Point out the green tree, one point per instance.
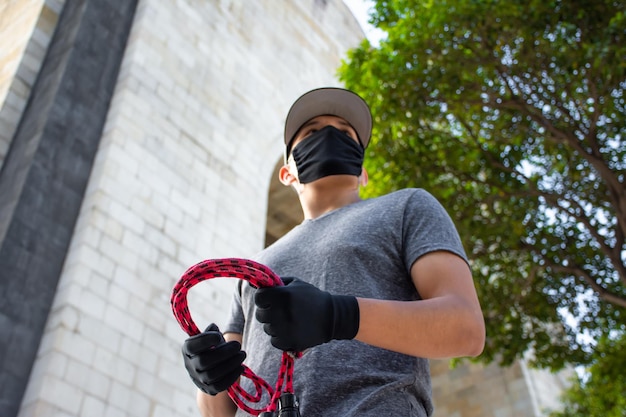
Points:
(513, 115)
(603, 394)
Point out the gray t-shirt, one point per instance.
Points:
(365, 249)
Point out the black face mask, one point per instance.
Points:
(326, 152)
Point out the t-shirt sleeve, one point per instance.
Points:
(427, 227)
(236, 319)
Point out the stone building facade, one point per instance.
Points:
(138, 137)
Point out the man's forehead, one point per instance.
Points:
(326, 118)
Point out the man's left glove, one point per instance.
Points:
(213, 363)
(298, 315)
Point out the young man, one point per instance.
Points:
(376, 287)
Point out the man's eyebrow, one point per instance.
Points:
(307, 124)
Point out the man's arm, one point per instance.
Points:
(447, 322)
(219, 405)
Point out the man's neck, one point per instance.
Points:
(322, 196)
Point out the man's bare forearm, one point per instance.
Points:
(219, 405)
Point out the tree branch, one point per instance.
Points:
(617, 190)
(602, 292)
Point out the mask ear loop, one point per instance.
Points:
(288, 150)
(258, 276)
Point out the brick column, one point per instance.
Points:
(45, 173)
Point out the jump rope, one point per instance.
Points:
(258, 276)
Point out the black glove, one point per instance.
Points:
(298, 316)
(213, 364)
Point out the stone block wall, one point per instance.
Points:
(45, 173)
(25, 31)
(473, 390)
(477, 390)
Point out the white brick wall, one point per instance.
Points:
(546, 387)
(182, 174)
(26, 28)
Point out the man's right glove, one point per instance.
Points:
(298, 315)
(213, 364)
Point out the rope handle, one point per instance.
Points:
(258, 276)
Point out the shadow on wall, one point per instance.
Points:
(283, 208)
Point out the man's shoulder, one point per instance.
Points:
(403, 195)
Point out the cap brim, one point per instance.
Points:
(330, 101)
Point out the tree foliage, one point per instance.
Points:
(513, 115)
(603, 392)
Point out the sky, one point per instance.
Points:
(360, 10)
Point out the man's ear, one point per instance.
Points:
(285, 176)
(363, 178)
